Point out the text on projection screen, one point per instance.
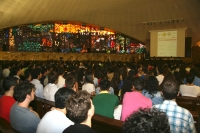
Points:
(167, 43)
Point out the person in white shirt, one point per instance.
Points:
(61, 80)
(189, 89)
(36, 75)
(160, 76)
(89, 84)
(50, 89)
(55, 121)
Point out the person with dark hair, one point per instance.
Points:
(7, 100)
(70, 82)
(89, 84)
(105, 103)
(61, 79)
(55, 121)
(144, 72)
(117, 81)
(44, 72)
(196, 80)
(36, 75)
(189, 89)
(27, 75)
(22, 118)
(16, 72)
(49, 68)
(151, 90)
(160, 76)
(180, 119)
(80, 110)
(149, 120)
(134, 100)
(50, 89)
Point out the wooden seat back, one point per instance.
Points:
(5, 127)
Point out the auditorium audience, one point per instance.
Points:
(132, 101)
(89, 84)
(61, 80)
(16, 72)
(36, 75)
(6, 70)
(80, 110)
(189, 89)
(180, 119)
(160, 76)
(117, 80)
(55, 121)
(22, 118)
(27, 75)
(147, 121)
(7, 100)
(44, 72)
(151, 90)
(144, 72)
(123, 81)
(105, 103)
(196, 80)
(50, 89)
(70, 83)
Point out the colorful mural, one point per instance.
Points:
(64, 37)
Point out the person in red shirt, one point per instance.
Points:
(7, 100)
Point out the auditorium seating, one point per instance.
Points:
(193, 105)
(100, 124)
(5, 127)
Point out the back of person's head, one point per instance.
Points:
(14, 71)
(104, 84)
(27, 73)
(52, 77)
(150, 120)
(131, 73)
(61, 97)
(151, 85)
(9, 81)
(78, 106)
(70, 81)
(170, 89)
(21, 90)
(148, 74)
(194, 71)
(138, 83)
(190, 77)
(145, 69)
(43, 70)
(127, 86)
(35, 73)
(89, 77)
(61, 70)
(161, 70)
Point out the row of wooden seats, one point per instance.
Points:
(100, 123)
(5, 127)
(193, 105)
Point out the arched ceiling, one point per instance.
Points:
(125, 16)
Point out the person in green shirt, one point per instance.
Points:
(105, 103)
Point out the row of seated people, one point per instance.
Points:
(79, 108)
(180, 120)
(88, 85)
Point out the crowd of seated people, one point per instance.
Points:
(118, 90)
